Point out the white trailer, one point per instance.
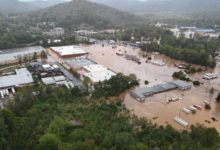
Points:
(187, 111)
(192, 108)
(4, 92)
(7, 92)
(181, 121)
(2, 95)
(13, 90)
(206, 102)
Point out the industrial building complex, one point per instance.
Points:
(140, 93)
(52, 74)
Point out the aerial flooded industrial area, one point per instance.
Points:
(159, 97)
(109, 75)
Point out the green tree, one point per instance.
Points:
(58, 126)
(4, 135)
(25, 59)
(48, 142)
(43, 56)
(34, 57)
(218, 98)
(20, 60)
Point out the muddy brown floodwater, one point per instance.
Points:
(154, 108)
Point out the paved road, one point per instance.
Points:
(70, 77)
(56, 60)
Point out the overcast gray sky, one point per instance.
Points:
(38, 0)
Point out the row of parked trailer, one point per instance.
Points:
(5, 92)
(188, 111)
(192, 108)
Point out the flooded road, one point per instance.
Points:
(155, 108)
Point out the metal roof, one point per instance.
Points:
(48, 81)
(98, 73)
(79, 62)
(22, 76)
(147, 91)
(59, 78)
(68, 50)
(180, 84)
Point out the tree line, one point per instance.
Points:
(199, 50)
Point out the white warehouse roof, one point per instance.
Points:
(22, 76)
(68, 50)
(98, 73)
(48, 81)
(94, 68)
(53, 80)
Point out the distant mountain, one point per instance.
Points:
(14, 6)
(84, 13)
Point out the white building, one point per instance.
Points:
(98, 73)
(210, 76)
(9, 82)
(57, 80)
(56, 32)
(22, 77)
(85, 32)
(68, 51)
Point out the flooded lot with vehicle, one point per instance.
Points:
(155, 107)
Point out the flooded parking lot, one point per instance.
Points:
(11, 55)
(155, 108)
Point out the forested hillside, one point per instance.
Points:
(199, 50)
(84, 13)
(14, 33)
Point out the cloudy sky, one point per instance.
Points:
(38, 0)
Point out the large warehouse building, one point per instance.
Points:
(97, 73)
(21, 77)
(68, 51)
(8, 83)
(140, 93)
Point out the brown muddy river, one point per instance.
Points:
(155, 108)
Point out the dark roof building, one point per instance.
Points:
(141, 93)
